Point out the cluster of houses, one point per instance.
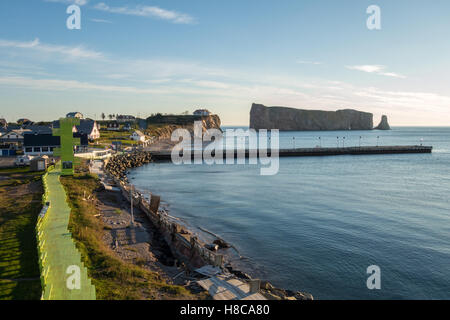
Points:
(36, 140)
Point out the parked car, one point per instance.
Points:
(22, 161)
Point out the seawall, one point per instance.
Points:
(310, 152)
(184, 244)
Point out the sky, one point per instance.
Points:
(141, 57)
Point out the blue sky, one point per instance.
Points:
(141, 57)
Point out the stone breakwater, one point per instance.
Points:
(184, 244)
(119, 164)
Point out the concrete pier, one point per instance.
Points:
(305, 152)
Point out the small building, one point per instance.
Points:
(44, 143)
(138, 136)
(39, 163)
(202, 112)
(40, 144)
(78, 115)
(125, 118)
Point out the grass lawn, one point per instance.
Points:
(20, 203)
(107, 137)
(113, 278)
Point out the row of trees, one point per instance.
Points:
(114, 116)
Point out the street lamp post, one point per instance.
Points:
(131, 201)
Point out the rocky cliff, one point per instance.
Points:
(290, 119)
(212, 121)
(162, 126)
(384, 124)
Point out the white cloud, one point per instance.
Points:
(308, 62)
(100, 20)
(58, 84)
(377, 69)
(77, 2)
(72, 52)
(149, 12)
(207, 83)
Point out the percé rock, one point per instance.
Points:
(291, 119)
(384, 124)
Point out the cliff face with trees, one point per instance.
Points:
(290, 119)
(162, 126)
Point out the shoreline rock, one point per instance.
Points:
(119, 164)
(384, 124)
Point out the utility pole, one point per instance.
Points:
(131, 201)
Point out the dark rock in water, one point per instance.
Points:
(241, 275)
(222, 244)
(266, 285)
(303, 296)
(290, 119)
(212, 247)
(384, 125)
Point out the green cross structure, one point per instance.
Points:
(67, 144)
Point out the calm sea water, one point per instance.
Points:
(321, 221)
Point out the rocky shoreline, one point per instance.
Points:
(118, 167)
(119, 164)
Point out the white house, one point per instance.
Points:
(87, 126)
(138, 136)
(78, 115)
(14, 136)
